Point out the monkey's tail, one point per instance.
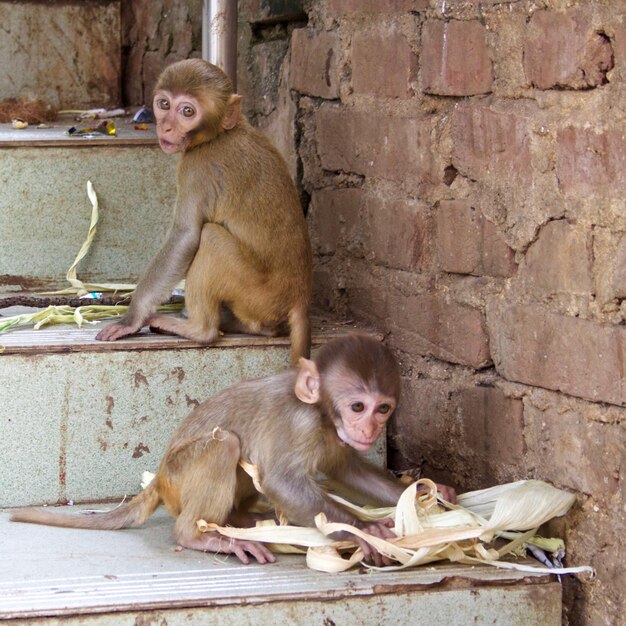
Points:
(299, 333)
(133, 513)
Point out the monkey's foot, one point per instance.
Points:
(167, 325)
(243, 550)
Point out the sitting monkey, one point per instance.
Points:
(239, 235)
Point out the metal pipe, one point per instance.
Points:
(219, 35)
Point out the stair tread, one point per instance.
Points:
(69, 338)
(55, 135)
(52, 571)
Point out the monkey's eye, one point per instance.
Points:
(188, 111)
(384, 409)
(163, 104)
(357, 407)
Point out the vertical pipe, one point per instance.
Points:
(219, 35)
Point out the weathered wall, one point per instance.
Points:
(94, 53)
(265, 30)
(65, 53)
(156, 33)
(466, 165)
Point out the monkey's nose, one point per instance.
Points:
(370, 431)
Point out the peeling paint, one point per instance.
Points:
(179, 372)
(191, 402)
(63, 443)
(136, 422)
(140, 379)
(59, 424)
(140, 450)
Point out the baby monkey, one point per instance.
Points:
(310, 420)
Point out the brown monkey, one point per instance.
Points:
(239, 233)
(292, 426)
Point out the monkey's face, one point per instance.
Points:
(362, 416)
(177, 117)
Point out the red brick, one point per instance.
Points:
(366, 287)
(618, 281)
(315, 63)
(345, 7)
(373, 145)
(559, 261)
(491, 430)
(419, 426)
(446, 330)
(590, 161)
(593, 533)
(467, 243)
(334, 217)
(574, 452)
(326, 294)
(455, 58)
(382, 62)
(563, 50)
(620, 48)
(490, 142)
(579, 357)
(396, 232)
(452, 3)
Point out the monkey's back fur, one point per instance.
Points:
(243, 182)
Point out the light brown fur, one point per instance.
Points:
(239, 233)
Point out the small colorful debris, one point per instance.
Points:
(104, 128)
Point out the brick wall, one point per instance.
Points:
(466, 172)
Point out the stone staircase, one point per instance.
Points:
(81, 420)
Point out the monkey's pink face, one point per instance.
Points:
(176, 116)
(363, 417)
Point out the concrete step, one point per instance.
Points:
(45, 212)
(68, 577)
(81, 420)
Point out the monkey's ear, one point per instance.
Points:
(308, 382)
(233, 112)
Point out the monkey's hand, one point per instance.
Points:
(381, 529)
(447, 493)
(117, 330)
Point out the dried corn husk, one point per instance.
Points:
(64, 314)
(429, 529)
(78, 286)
